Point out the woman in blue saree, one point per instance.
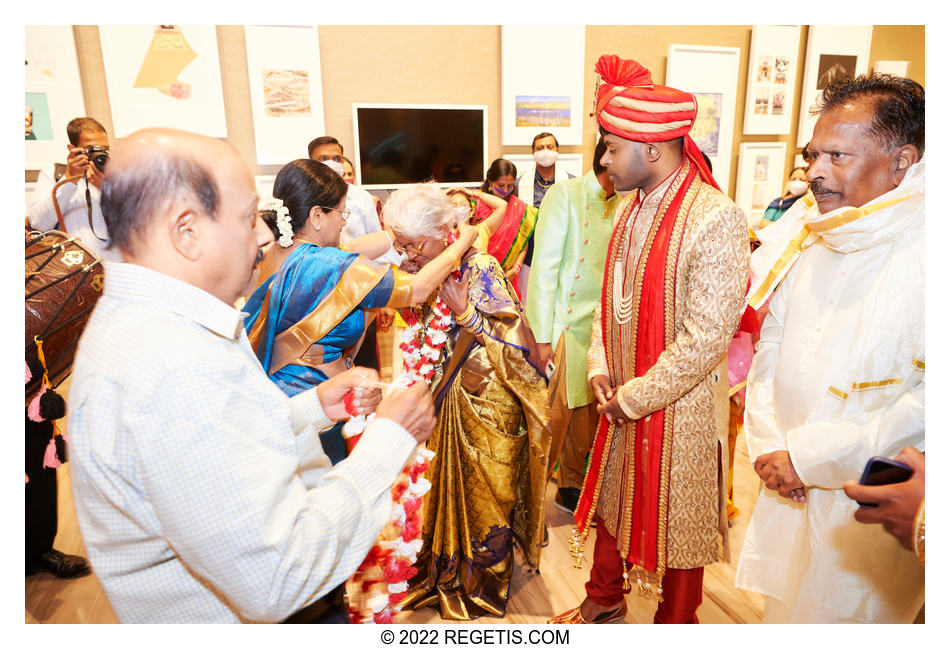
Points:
(308, 315)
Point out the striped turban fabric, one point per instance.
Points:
(629, 105)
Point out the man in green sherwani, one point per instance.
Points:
(574, 225)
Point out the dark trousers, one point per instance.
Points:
(41, 501)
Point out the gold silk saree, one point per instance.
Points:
(491, 444)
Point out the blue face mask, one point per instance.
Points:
(499, 193)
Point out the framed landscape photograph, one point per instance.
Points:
(548, 97)
(773, 77)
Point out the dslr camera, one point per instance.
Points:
(98, 155)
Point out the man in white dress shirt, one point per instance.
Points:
(202, 491)
(838, 376)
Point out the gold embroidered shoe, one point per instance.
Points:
(574, 616)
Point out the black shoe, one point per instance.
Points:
(61, 565)
(546, 539)
(566, 498)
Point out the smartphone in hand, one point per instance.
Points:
(883, 470)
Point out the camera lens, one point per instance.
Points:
(98, 155)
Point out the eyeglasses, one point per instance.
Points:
(406, 248)
(344, 213)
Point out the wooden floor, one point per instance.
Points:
(533, 598)
(560, 586)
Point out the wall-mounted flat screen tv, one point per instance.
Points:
(398, 144)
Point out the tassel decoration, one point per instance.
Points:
(36, 367)
(47, 405)
(52, 405)
(33, 410)
(61, 454)
(50, 461)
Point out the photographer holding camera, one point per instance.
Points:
(78, 189)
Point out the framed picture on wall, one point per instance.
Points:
(833, 51)
(773, 78)
(712, 75)
(760, 177)
(543, 97)
(164, 75)
(283, 67)
(53, 93)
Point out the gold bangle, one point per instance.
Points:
(466, 316)
(919, 533)
(454, 259)
(476, 326)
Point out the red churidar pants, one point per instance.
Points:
(682, 589)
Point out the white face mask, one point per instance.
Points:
(461, 214)
(545, 157)
(797, 187)
(336, 166)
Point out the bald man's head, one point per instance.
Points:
(184, 205)
(151, 168)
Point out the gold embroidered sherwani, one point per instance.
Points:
(690, 377)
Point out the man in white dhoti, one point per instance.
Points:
(839, 372)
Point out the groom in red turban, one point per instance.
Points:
(674, 288)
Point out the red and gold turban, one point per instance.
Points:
(629, 105)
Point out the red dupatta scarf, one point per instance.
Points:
(648, 291)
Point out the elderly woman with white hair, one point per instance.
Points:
(492, 438)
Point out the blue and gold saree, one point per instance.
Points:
(311, 312)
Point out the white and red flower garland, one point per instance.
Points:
(381, 582)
